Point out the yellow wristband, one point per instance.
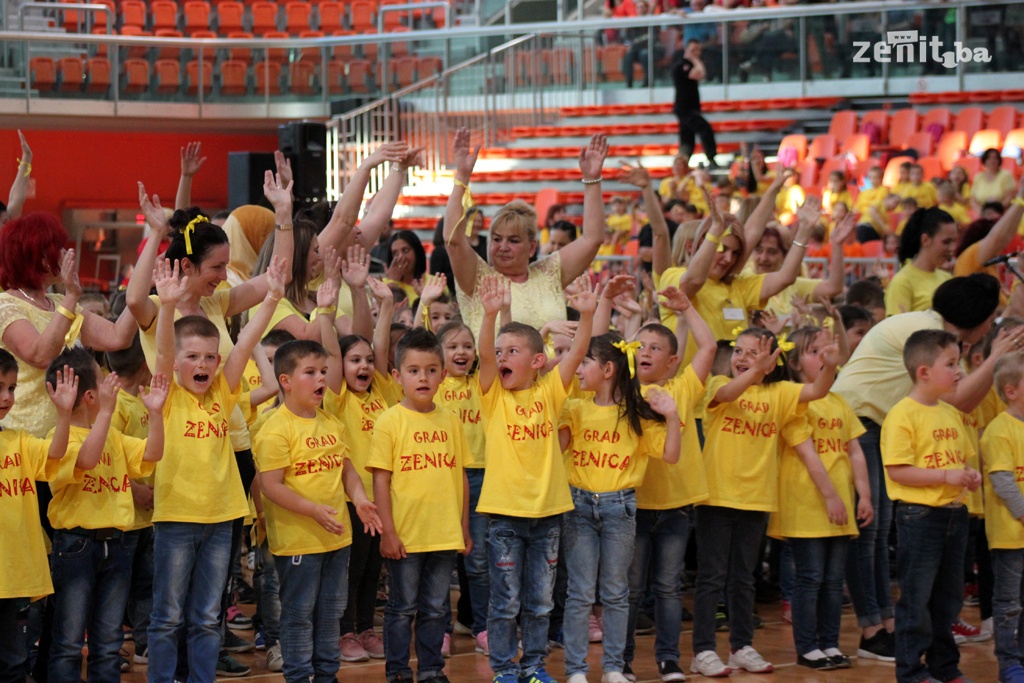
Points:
(66, 313)
(1017, 201)
(713, 239)
(326, 310)
(284, 226)
(28, 167)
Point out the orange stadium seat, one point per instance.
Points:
(970, 120)
(363, 15)
(370, 47)
(133, 13)
(197, 15)
(233, 75)
(858, 144)
(136, 76)
(970, 164)
(168, 52)
(402, 71)
(985, 139)
(101, 50)
(164, 14)
(193, 72)
(268, 77)
(902, 125)
(940, 115)
(923, 143)
(428, 66)
(335, 77)
(822, 147)
(342, 51)
(264, 16)
(399, 48)
(302, 78)
(808, 170)
(394, 18)
(932, 168)
(1015, 138)
(611, 62)
(359, 76)
(97, 71)
(240, 54)
(167, 73)
(276, 54)
(229, 17)
(330, 16)
(297, 16)
(136, 51)
(830, 165)
(559, 63)
(72, 74)
(879, 118)
(1003, 119)
(843, 124)
(951, 146)
(310, 54)
(892, 170)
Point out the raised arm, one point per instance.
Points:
(249, 337)
(661, 243)
(494, 291)
(584, 301)
(154, 400)
(786, 275)
(329, 336)
(137, 295)
(663, 404)
(577, 256)
(760, 216)
(832, 286)
(700, 264)
(433, 287)
(382, 331)
(383, 207)
(689, 321)
(819, 475)
(64, 396)
(354, 270)
(999, 237)
(463, 259)
(191, 162)
(170, 290)
(620, 284)
(19, 188)
(974, 386)
(92, 447)
(762, 364)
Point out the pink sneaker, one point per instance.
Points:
(595, 632)
(372, 643)
(481, 643)
(446, 646)
(352, 650)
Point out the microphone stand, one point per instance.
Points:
(1010, 267)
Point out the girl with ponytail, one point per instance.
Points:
(608, 439)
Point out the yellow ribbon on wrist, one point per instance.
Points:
(28, 167)
(326, 310)
(630, 349)
(76, 326)
(191, 228)
(467, 204)
(66, 313)
(1017, 201)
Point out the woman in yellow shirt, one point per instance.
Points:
(927, 244)
(992, 183)
(607, 440)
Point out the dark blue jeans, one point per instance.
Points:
(867, 561)
(660, 549)
(140, 596)
(313, 593)
(418, 589)
(523, 556)
(817, 600)
(476, 561)
(91, 580)
(1007, 615)
(930, 565)
(13, 642)
(268, 595)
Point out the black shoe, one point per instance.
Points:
(233, 643)
(687, 615)
(823, 664)
(670, 671)
(880, 646)
(229, 667)
(840, 661)
(758, 621)
(245, 593)
(644, 625)
(627, 672)
(439, 678)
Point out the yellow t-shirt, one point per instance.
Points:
(525, 469)
(99, 498)
(668, 486)
(604, 453)
(359, 412)
(461, 395)
(23, 462)
(782, 303)
(973, 425)
(985, 190)
(911, 289)
(285, 309)
(875, 379)
(968, 262)
(312, 453)
(925, 194)
(723, 305)
(930, 437)
(1003, 447)
(198, 480)
(686, 190)
(958, 212)
(743, 439)
(620, 222)
(802, 512)
(132, 419)
(424, 453)
(829, 199)
(410, 291)
(865, 200)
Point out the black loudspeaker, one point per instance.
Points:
(305, 144)
(245, 177)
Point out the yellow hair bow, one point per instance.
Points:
(191, 228)
(786, 346)
(828, 324)
(736, 330)
(630, 349)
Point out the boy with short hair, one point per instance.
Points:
(525, 488)
(1002, 444)
(198, 490)
(417, 459)
(92, 512)
(922, 192)
(304, 477)
(925, 451)
(24, 460)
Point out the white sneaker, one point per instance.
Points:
(986, 627)
(275, 662)
(709, 664)
(749, 659)
(577, 678)
(614, 677)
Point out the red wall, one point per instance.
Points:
(101, 169)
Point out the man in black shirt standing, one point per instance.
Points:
(687, 71)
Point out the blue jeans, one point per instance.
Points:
(817, 600)
(193, 561)
(599, 536)
(90, 580)
(418, 588)
(268, 595)
(930, 565)
(660, 548)
(13, 642)
(1007, 615)
(140, 596)
(476, 561)
(787, 572)
(867, 562)
(523, 555)
(313, 593)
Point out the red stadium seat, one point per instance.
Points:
(941, 116)
(72, 74)
(970, 120)
(951, 146)
(923, 143)
(428, 66)
(611, 62)
(331, 15)
(1014, 139)
(197, 15)
(797, 142)
(843, 124)
(342, 51)
(268, 77)
(858, 144)
(264, 16)
(297, 16)
(136, 76)
(892, 170)
(193, 72)
(168, 52)
(229, 17)
(1003, 119)
(167, 73)
(310, 54)
(136, 51)
(879, 118)
(335, 77)
(985, 139)
(359, 76)
(822, 147)
(932, 168)
(97, 75)
(902, 125)
(363, 15)
(302, 78)
(133, 13)
(165, 14)
(233, 74)
(240, 54)
(277, 54)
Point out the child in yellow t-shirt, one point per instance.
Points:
(436, 306)
(946, 199)
(525, 489)
(835, 192)
(460, 392)
(24, 460)
(91, 513)
(305, 474)
(198, 491)
(748, 418)
(417, 460)
(925, 452)
(620, 221)
(608, 439)
(903, 180)
(919, 190)
(817, 528)
(1003, 448)
(872, 224)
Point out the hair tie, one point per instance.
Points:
(630, 349)
(191, 228)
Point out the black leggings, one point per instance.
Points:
(692, 124)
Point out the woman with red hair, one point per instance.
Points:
(34, 325)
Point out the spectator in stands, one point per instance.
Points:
(19, 188)
(870, 208)
(536, 288)
(992, 183)
(675, 212)
(922, 192)
(947, 202)
(791, 197)
(837, 191)
(701, 32)
(439, 261)
(556, 213)
(406, 264)
(928, 241)
(961, 185)
(642, 41)
(985, 239)
(687, 72)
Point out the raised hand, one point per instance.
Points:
(662, 403)
(155, 397)
(585, 299)
(634, 175)
(26, 151)
(65, 394)
(592, 157)
(842, 231)
(277, 275)
(627, 306)
(331, 267)
(380, 291)
(765, 359)
(169, 287)
(278, 193)
(433, 287)
(191, 162)
(713, 212)
(493, 291)
(830, 352)
(154, 213)
(356, 267)
(464, 153)
(411, 159)
(389, 151)
(620, 284)
(108, 389)
(284, 168)
(809, 212)
(566, 328)
(372, 523)
(69, 274)
(327, 293)
(674, 298)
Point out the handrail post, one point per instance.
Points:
(804, 55)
